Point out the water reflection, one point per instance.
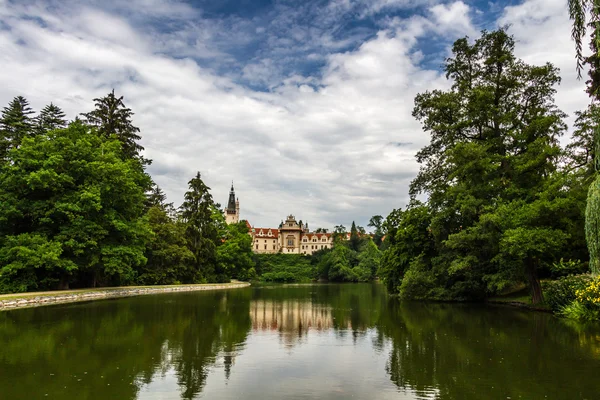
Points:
(305, 341)
(112, 349)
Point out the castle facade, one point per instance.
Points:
(291, 237)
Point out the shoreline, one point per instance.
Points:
(32, 299)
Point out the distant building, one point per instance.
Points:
(232, 212)
(290, 238)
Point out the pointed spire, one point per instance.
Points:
(231, 203)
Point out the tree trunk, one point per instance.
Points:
(63, 283)
(534, 282)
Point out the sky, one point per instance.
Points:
(305, 105)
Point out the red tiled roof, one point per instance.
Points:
(265, 233)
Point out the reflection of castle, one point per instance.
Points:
(290, 238)
(292, 319)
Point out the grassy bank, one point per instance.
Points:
(285, 268)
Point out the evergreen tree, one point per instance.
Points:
(16, 123)
(201, 231)
(494, 149)
(354, 238)
(111, 117)
(51, 117)
(156, 197)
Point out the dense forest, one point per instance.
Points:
(78, 208)
(497, 201)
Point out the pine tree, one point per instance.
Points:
(201, 232)
(15, 124)
(354, 239)
(156, 197)
(51, 117)
(111, 117)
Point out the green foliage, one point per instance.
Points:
(343, 264)
(234, 255)
(561, 292)
(71, 190)
(285, 268)
(15, 124)
(499, 210)
(169, 259)
(111, 117)
(592, 225)
(51, 117)
(201, 232)
(77, 208)
(568, 267)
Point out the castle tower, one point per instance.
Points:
(232, 212)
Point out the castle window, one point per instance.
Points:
(304, 240)
(265, 240)
(273, 247)
(314, 240)
(256, 247)
(265, 246)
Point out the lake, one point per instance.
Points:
(323, 341)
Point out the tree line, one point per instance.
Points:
(78, 208)
(497, 200)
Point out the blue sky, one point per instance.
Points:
(305, 105)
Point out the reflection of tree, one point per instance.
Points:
(470, 352)
(295, 310)
(110, 349)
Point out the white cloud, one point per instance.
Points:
(329, 148)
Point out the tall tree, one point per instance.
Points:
(72, 210)
(494, 141)
(51, 117)
(579, 10)
(111, 117)
(201, 231)
(354, 238)
(376, 222)
(16, 123)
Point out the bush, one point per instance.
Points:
(284, 268)
(562, 292)
(570, 267)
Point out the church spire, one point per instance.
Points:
(231, 203)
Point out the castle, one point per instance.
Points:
(290, 237)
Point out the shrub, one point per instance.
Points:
(562, 292)
(569, 267)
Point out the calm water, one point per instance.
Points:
(293, 342)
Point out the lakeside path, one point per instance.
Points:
(35, 299)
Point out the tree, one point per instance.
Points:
(234, 254)
(15, 124)
(201, 231)
(51, 117)
(494, 142)
(376, 222)
(579, 10)
(354, 238)
(111, 117)
(339, 233)
(73, 210)
(169, 258)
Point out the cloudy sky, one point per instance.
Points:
(305, 104)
